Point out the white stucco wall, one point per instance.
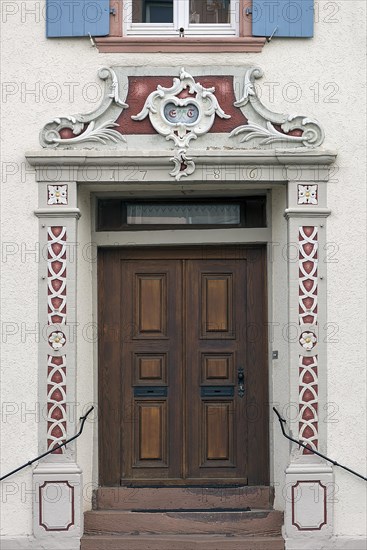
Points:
(322, 78)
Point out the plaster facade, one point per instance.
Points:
(322, 78)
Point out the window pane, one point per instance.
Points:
(209, 11)
(183, 214)
(152, 11)
(110, 214)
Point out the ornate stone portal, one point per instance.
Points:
(219, 136)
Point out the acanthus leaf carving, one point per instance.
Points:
(102, 133)
(268, 134)
(311, 133)
(89, 126)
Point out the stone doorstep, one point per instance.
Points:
(192, 498)
(254, 522)
(180, 542)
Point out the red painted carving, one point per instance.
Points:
(56, 262)
(308, 314)
(308, 272)
(56, 402)
(56, 367)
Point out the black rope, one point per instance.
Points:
(58, 446)
(309, 448)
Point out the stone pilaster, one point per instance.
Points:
(309, 479)
(57, 478)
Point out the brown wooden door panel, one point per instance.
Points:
(150, 369)
(216, 314)
(217, 368)
(151, 356)
(174, 330)
(150, 305)
(150, 434)
(218, 431)
(216, 305)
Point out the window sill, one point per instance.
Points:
(116, 44)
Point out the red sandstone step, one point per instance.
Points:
(250, 523)
(180, 542)
(191, 498)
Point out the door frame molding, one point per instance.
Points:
(243, 171)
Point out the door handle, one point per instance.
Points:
(241, 381)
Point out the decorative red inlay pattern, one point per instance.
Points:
(56, 262)
(308, 314)
(308, 272)
(56, 369)
(56, 402)
(308, 402)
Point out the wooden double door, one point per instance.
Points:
(183, 366)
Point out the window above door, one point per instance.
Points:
(179, 26)
(181, 18)
(148, 26)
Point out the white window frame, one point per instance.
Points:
(181, 20)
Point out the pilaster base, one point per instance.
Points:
(57, 505)
(309, 506)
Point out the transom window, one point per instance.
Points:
(181, 17)
(121, 215)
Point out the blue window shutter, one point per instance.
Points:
(77, 18)
(292, 18)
